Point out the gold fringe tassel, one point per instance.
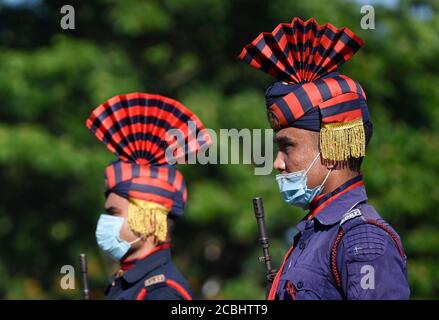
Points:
(148, 218)
(342, 141)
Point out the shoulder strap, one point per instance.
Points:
(179, 288)
(160, 279)
(356, 218)
(156, 279)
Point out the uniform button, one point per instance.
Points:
(302, 246)
(299, 285)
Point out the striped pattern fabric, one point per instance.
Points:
(301, 51)
(134, 127)
(160, 184)
(338, 97)
(306, 55)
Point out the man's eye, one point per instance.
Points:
(286, 147)
(112, 211)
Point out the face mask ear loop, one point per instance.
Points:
(326, 178)
(312, 163)
(134, 241)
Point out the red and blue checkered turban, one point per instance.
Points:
(311, 94)
(133, 127)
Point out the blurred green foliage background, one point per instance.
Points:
(51, 167)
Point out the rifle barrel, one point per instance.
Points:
(84, 275)
(258, 207)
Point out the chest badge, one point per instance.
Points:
(154, 280)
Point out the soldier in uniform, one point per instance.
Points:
(343, 248)
(144, 193)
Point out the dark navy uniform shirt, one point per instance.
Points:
(369, 258)
(153, 277)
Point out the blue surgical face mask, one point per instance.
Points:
(294, 189)
(108, 236)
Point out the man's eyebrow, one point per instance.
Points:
(112, 210)
(283, 140)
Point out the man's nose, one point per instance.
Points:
(279, 163)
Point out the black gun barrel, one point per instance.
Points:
(84, 275)
(263, 239)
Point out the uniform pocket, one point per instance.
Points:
(303, 284)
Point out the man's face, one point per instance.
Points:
(118, 206)
(297, 150)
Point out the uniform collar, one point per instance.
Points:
(138, 268)
(329, 208)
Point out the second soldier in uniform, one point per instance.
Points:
(144, 194)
